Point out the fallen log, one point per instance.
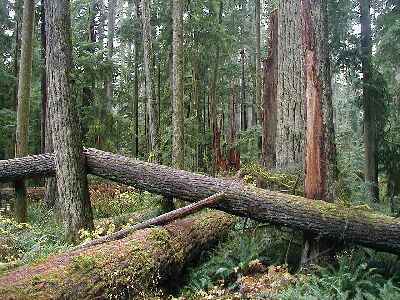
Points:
(136, 267)
(327, 220)
(156, 221)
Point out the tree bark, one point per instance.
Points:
(319, 142)
(342, 224)
(69, 161)
(216, 131)
(290, 94)
(178, 143)
(258, 60)
(110, 51)
(50, 196)
(370, 119)
(140, 266)
(233, 159)
(24, 94)
(269, 120)
(152, 103)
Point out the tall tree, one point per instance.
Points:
(258, 57)
(269, 109)
(290, 93)
(178, 143)
(50, 195)
(24, 94)
(110, 50)
(370, 119)
(320, 151)
(70, 165)
(135, 104)
(148, 59)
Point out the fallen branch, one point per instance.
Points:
(321, 218)
(157, 221)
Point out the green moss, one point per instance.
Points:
(83, 263)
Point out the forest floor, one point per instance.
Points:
(256, 261)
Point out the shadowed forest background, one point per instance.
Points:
(301, 98)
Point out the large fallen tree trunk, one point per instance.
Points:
(325, 219)
(136, 267)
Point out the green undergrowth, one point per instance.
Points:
(42, 236)
(358, 274)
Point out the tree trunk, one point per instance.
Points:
(319, 140)
(50, 196)
(135, 107)
(24, 94)
(110, 51)
(269, 121)
(258, 60)
(216, 131)
(141, 266)
(69, 161)
(233, 160)
(370, 119)
(290, 94)
(152, 103)
(343, 224)
(178, 143)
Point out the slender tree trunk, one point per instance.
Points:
(70, 163)
(370, 129)
(233, 152)
(152, 103)
(216, 131)
(110, 51)
(178, 143)
(319, 164)
(269, 121)
(135, 107)
(258, 60)
(243, 92)
(198, 100)
(24, 94)
(290, 94)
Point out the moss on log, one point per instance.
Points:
(136, 267)
(327, 220)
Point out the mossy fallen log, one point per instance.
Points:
(327, 220)
(137, 267)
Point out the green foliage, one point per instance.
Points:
(127, 202)
(352, 279)
(28, 243)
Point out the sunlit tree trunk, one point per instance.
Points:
(290, 94)
(70, 163)
(370, 119)
(178, 144)
(24, 94)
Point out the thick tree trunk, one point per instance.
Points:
(178, 143)
(24, 94)
(343, 224)
(152, 103)
(50, 197)
(290, 94)
(140, 266)
(370, 119)
(269, 121)
(319, 142)
(69, 161)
